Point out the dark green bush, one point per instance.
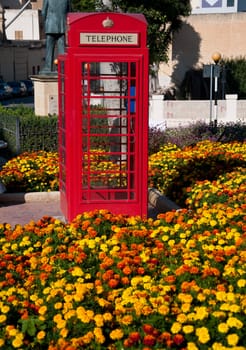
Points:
(26, 132)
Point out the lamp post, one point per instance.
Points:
(216, 58)
(213, 71)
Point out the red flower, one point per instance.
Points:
(149, 340)
(134, 337)
(178, 339)
(148, 328)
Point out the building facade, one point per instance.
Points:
(213, 26)
(217, 6)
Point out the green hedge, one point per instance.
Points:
(26, 132)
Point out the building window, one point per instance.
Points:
(18, 35)
(230, 3)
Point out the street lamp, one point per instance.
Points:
(216, 57)
(213, 71)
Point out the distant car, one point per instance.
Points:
(19, 89)
(5, 91)
(29, 86)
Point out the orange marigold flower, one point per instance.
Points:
(125, 280)
(127, 270)
(170, 279)
(113, 283)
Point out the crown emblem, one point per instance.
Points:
(107, 23)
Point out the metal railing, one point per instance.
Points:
(10, 127)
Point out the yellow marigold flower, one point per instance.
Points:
(201, 297)
(12, 332)
(223, 327)
(42, 310)
(116, 334)
(135, 281)
(69, 314)
(77, 272)
(219, 314)
(181, 318)
(231, 297)
(3, 318)
(64, 332)
(99, 320)
(40, 335)
(126, 320)
(102, 302)
(176, 327)
(18, 340)
(232, 339)
(203, 335)
(87, 338)
(187, 329)
(163, 309)
(241, 283)
(91, 243)
(14, 246)
(218, 346)
(185, 298)
(185, 307)
(1, 342)
(235, 308)
(57, 318)
(201, 312)
(234, 322)
(171, 242)
(104, 247)
(107, 316)
(221, 296)
(99, 335)
(61, 324)
(58, 305)
(33, 297)
(192, 346)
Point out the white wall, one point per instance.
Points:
(175, 113)
(27, 22)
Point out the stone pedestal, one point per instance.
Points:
(45, 94)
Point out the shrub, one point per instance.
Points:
(194, 133)
(26, 132)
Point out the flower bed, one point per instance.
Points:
(116, 282)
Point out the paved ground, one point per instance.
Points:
(23, 213)
(22, 209)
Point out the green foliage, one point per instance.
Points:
(38, 133)
(235, 76)
(20, 126)
(86, 5)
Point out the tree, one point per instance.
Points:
(164, 17)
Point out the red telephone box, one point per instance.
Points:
(103, 114)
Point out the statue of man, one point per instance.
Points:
(54, 13)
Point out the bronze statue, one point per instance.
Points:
(54, 13)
